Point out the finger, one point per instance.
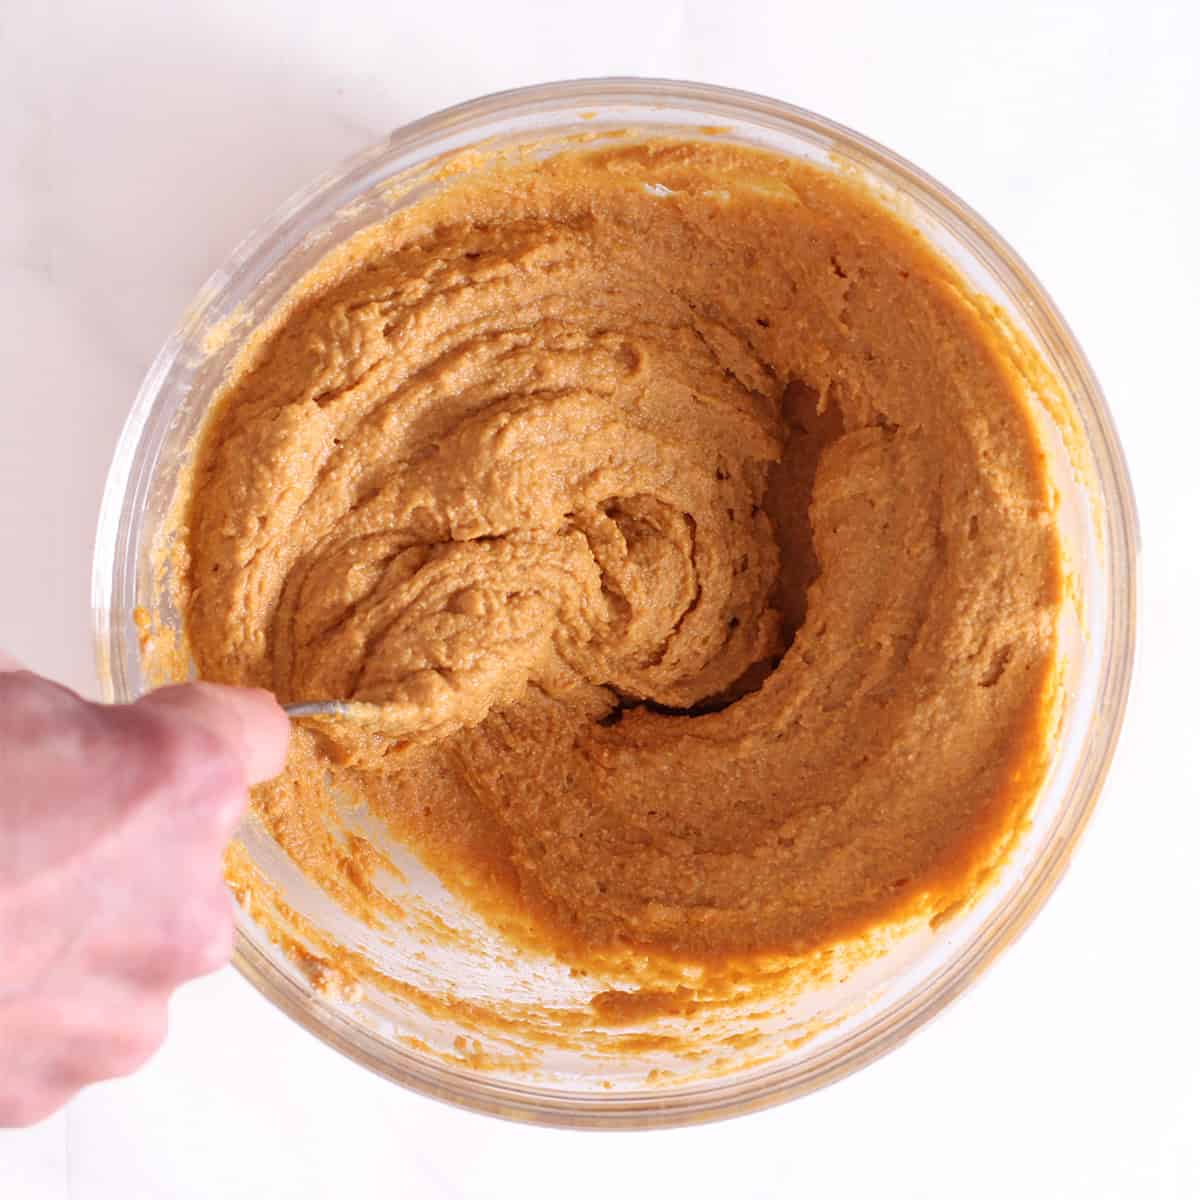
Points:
(21, 1107)
(102, 1032)
(249, 720)
(192, 938)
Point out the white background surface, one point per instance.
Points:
(139, 142)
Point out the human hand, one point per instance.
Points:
(113, 820)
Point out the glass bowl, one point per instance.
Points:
(847, 1024)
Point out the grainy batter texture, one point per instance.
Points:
(687, 521)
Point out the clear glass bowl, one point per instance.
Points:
(876, 1008)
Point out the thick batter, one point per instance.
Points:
(687, 519)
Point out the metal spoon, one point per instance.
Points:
(327, 708)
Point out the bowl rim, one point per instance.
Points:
(125, 494)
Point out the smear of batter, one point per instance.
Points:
(686, 519)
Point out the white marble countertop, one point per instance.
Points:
(141, 140)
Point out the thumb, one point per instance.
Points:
(248, 719)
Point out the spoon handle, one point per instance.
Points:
(319, 708)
